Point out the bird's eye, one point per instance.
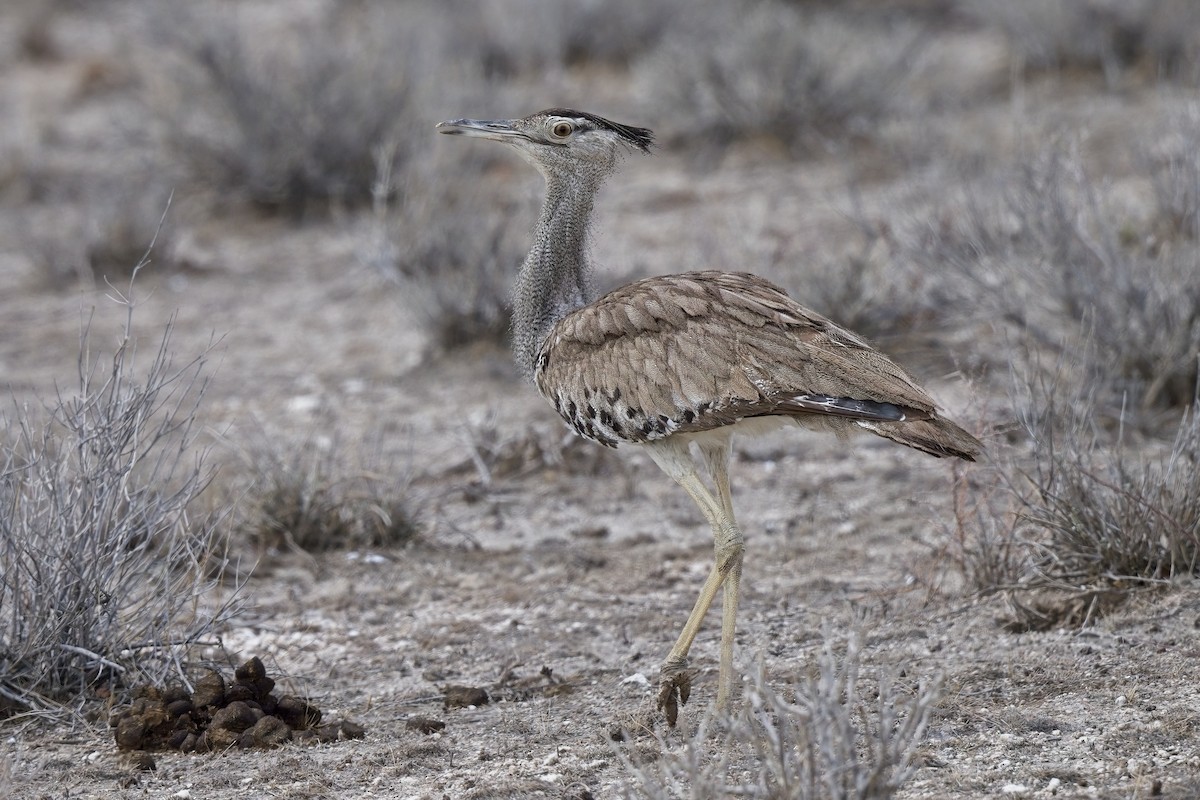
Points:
(562, 129)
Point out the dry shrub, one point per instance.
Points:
(98, 241)
(1050, 250)
(532, 37)
(107, 559)
(1108, 36)
(452, 240)
(1173, 164)
(987, 544)
(1084, 514)
(1109, 516)
(290, 116)
(747, 70)
(872, 288)
(841, 734)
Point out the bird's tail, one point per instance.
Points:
(936, 436)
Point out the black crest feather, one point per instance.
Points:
(641, 138)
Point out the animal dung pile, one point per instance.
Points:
(218, 716)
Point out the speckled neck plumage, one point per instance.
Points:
(554, 280)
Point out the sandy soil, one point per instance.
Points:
(584, 565)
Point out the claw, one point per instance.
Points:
(674, 691)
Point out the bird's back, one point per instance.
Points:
(692, 352)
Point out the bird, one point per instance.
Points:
(678, 364)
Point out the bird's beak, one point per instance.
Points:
(501, 130)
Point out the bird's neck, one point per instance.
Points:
(554, 279)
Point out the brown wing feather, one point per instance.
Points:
(695, 351)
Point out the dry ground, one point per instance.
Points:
(586, 566)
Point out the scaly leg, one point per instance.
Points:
(675, 682)
(716, 456)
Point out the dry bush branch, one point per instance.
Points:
(106, 560)
(842, 735)
(1173, 164)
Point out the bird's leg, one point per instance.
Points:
(716, 456)
(674, 680)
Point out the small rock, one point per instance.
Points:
(218, 739)
(263, 687)
(239, 693)
(177, 739)
(352, 730)
(174, 693)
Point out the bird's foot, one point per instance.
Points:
(674, 688)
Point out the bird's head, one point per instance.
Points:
(558, 141)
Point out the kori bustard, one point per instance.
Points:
(669, 362)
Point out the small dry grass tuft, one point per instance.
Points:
(317, 495)
(1082, 517)
(106, 560)
(1108, 518)
(841, 735)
